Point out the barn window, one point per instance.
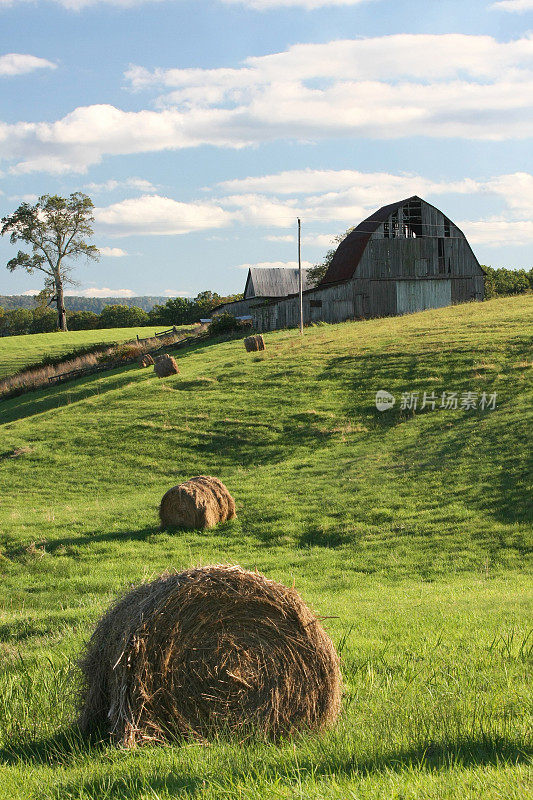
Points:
(442, 259)
(447, 228)
(412, 219)
(386, 230)
(395, 225)
(315, 303)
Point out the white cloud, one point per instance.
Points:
(258, 5)
(20, 64)
(308, 181)
(79, 5)
(498, 232)
(322, 240)
(515, 189)
(113, 252)
(513, 5)
(255, 209)
(443, 86)
(350, 194)
(152, 215)
(308, 5)
(23, 198)
(275, 265)
(30, 293)
(139, 184)
(105, 291)
(287, 238)
(347, 197)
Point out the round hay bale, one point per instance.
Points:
(165, 365)
(146, 360)
(212, 650)
(201, 502)
(254, 343)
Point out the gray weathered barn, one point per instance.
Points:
(406, 257)
(264, 284)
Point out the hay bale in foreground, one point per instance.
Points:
(165, 365)
(213, 650)
(254, 343)
(201, 502)
(146, 360)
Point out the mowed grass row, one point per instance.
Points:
(17, 352)
(408, 532)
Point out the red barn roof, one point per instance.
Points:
(350, 251)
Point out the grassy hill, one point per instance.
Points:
(408, 531)
(17, 352)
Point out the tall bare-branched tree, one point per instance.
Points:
(317, 272)
(57, 229)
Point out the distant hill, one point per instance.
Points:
(95, 304)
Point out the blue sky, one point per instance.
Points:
(201, 130)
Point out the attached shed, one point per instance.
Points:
(273, 282)
(406, 257)
(262, 285)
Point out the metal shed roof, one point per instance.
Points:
(273, 282)
(350, 251)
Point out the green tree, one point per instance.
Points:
(177, 311)
(56, 228)
(501, 282)
(205, 301)
(17, 321)
(83, 321)
(119, 316)
(317, 272)
(44, 321)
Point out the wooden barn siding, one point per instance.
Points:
(356, 299)
(239, 308)
(466, 289)
(414, 258)
(339, 303)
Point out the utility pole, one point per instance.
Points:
(300, 281)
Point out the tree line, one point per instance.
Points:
(79, 303)
(500, 281)
(176, 311)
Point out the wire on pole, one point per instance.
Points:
(300, 281)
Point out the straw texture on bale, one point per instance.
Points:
(212, 650)
(165, 365)
(146, 360)
(201, 502)
(253, 343)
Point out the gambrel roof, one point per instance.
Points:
(273, 282)
(350, 251)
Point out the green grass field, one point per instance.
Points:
(17, 352)
(410, 533)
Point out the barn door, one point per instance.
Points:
(414, 296)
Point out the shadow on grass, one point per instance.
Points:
(23, 552)
(58, 749)
(46, 399)
(501, 456)
(17, 553)
(467, 753)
